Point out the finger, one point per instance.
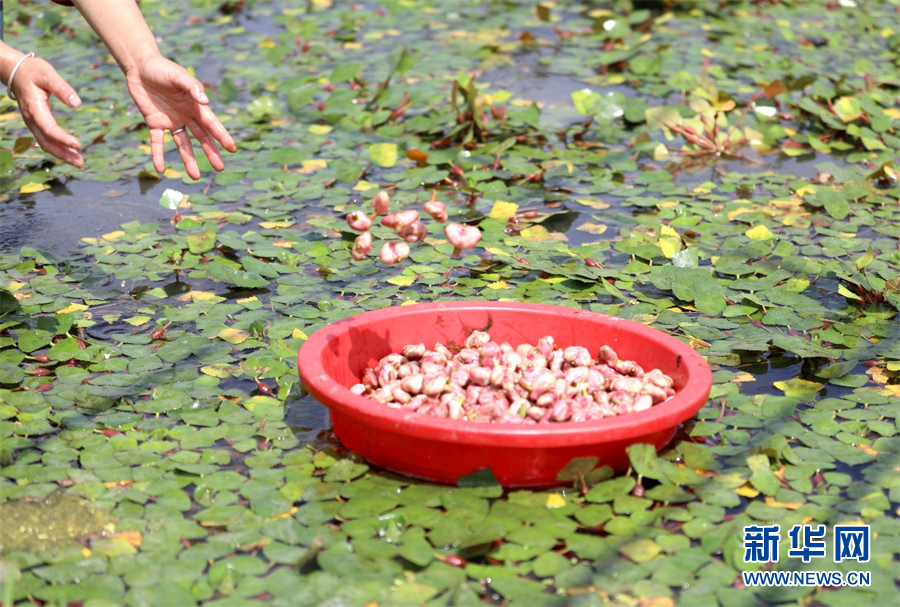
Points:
(198, 93)
(156, 150)
(64, 153)
(40, 121)
(183, 80)
(208, 143)
(54, 83)
(210, 121)
(183, 142)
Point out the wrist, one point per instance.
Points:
(8, 59)
(134, 63)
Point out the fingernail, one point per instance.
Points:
(74, 100)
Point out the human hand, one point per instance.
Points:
(171, 99)
(33, 84)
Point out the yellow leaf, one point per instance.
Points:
(706, 52)
(233, 336)
(496, 251)
(760, 232)
(660, 152)
(113, 236)
(742, 376)
(132, 537)
(773, 503)
(503, 210)
(697, 344)
(311, 166)
(294, 510)
(267, 43)
(364, 186)
(592, 228)
(500, 284)
(171, 173)
(738, 211)
(594, 203)
(747, 491)
(91, 240)
(536, 233)
(246, 300)
(31, 188)
(320, 129)
(353, 45)
(807, 189)
(645, 319)
(842, 290)
(553, 279)
(401, 281)
(282, 243)
(14, 285)
(220, 370)
(299, 334)
(669, 241)
(409, 302)
(270, 225)
(72, 307)
(555, 500)
(867, 449)
(893, 113)
(199, 296)
(137, 320)
(86, 552)
(892, 390)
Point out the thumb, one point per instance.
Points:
(54, 83)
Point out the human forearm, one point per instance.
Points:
(8, 59)
(122, 27)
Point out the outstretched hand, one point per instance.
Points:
(34, 83)
(171, 99)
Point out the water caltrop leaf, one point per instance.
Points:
(233, 336)
(480, 478)
(800, 388)
(609, 490)
(760, 232)
(577, 468)
(383, 154)
(645, 462)
(10, 373)
(503, 210)
(592, 228)
(641, 551)
(32, 188)
(669, 241)
(199, 242)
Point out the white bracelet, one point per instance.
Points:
(12, 74)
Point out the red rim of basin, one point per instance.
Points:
(329, 391)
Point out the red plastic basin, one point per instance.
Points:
(442, 450)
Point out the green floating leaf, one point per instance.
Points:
(10, 374)
(607, 491)
(383, 154)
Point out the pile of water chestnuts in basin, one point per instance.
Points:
(486, 381)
